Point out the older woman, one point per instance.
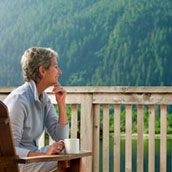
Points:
(31, 111)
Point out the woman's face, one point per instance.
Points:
(52, 73)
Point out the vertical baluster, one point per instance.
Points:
(86, 127)
(128, 144)
(74, 121)
(41, 141)
(96, 138)
(105, 138)
(51, 141)
(140, 138)
(163, 140)
(151, 159)
(116, 138)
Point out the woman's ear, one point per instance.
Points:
(42, 71)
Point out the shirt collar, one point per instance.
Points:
(32, 86)
(42, 99)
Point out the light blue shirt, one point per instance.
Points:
(29, 117)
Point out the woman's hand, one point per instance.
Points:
(60, 93)
(55, 148)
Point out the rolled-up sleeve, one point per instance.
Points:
(55, 130)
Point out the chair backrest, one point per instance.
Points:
(7, 150)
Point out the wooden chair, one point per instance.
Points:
(9, 160)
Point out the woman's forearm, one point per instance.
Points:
(36, 153)
(62, 114)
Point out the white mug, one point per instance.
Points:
(71, 146)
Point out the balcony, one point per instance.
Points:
(96, 100)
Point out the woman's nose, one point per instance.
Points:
(59, 71)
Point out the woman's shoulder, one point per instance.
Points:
(20, 94)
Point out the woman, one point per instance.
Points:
(31, 111)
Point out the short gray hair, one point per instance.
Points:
(33, 58)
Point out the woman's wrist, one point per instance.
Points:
(63, 120)
(62, 114)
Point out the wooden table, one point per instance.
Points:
(66, 162)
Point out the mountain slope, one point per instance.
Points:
(100, 42)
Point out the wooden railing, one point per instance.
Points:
(90, 99)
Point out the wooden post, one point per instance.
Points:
(105, 138)
(151, 158)
(51, 141)
(140, 138)
(96, 138)
(128, 143)
(42, 140)
(86, 128)
(117, 138)
(74, 121)
(163, 145)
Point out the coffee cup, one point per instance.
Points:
(71, 146)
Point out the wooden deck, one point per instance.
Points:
(90, 99)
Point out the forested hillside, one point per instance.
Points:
(100, 42)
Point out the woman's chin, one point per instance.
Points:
(55, 83)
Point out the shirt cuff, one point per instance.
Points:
(63, 131)
(22, 151)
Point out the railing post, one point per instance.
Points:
(86, 127)
(140, 138)
(163, 144)
(105, 137)
(117, 138)
(74, 121)
(128, 141)
(96, 137)
(41, 140)
(151, 158)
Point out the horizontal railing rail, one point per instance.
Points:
(93, 101)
